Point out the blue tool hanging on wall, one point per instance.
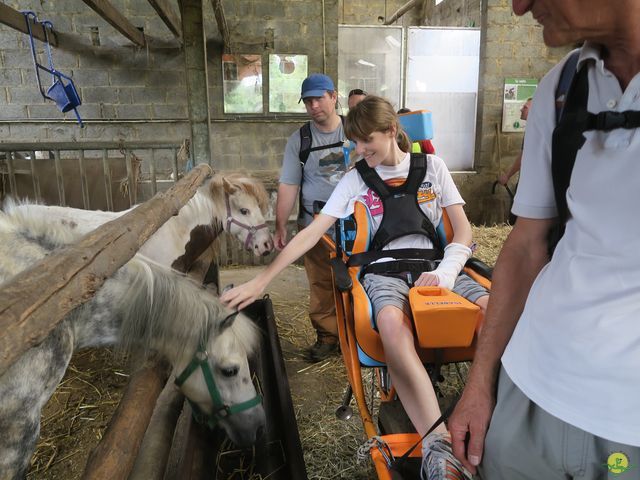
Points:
(63, 94)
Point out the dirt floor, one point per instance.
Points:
(75, 418)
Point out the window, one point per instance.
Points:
(286, 74)
(242, 83)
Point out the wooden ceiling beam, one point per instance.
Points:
(218, 10)
(14, 19)
(117, 20)
(168, 16)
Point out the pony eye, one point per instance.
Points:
(244, 211)
(229, 372)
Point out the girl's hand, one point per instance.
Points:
(427, 279)
(243, 295)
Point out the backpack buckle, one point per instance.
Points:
(611, 120)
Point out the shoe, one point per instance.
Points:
(321, 350)
(438, 462)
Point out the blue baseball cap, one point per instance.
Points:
(315, 85)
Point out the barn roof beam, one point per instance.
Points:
(402, 10)
(221, 20)
(168, 16)
(117, 20)
(14, 19)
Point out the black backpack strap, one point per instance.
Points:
(568, 138)
(566, 77)
(305, 143)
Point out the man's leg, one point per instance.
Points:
(322, 307)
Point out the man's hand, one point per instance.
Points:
(471, 418)
(280, 237)
(503, 179)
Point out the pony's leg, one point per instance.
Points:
(24, 389)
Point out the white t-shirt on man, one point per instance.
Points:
(575, 351)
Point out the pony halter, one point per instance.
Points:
(251, 229)
(220, 409)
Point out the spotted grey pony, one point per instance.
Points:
(142, 305)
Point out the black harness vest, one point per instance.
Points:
(568, 138)
(401, 216)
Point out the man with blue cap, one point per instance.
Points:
(314, 162)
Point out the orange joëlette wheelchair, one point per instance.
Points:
(446, 327)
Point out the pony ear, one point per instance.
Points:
(228, 186)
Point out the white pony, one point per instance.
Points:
(234, 203)
(142, 305)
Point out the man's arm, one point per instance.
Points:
(521, 259)
(503, 178)
(287, 196)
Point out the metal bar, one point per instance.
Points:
(12, 174)
(34, 176)
(59, 178)
(107, 179)
(175, 165)
(152, 171)
(83, 181)
(72, 146)
(130, 186)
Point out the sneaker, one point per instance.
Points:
(321, 350)
(438, 462)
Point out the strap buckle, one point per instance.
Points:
(611, 120)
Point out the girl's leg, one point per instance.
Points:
(407, 372)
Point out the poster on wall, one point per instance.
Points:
(516, 92)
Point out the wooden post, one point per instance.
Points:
(116, 453)
(36, 300)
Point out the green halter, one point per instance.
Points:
(220, 410)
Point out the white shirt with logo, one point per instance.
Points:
(436, 191)
(575, 351)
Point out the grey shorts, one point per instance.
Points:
(525, 442)
(384, 291)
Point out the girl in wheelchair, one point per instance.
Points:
(387, 165)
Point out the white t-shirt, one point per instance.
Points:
(436, 191)
(575, 351)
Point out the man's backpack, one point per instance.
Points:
(572, 121)
(306, 140)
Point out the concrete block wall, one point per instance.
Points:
(511, 46)
(128, 93)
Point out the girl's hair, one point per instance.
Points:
(375, 114)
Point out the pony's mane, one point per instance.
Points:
(34, 225)
(250, 185)
(184, 313)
